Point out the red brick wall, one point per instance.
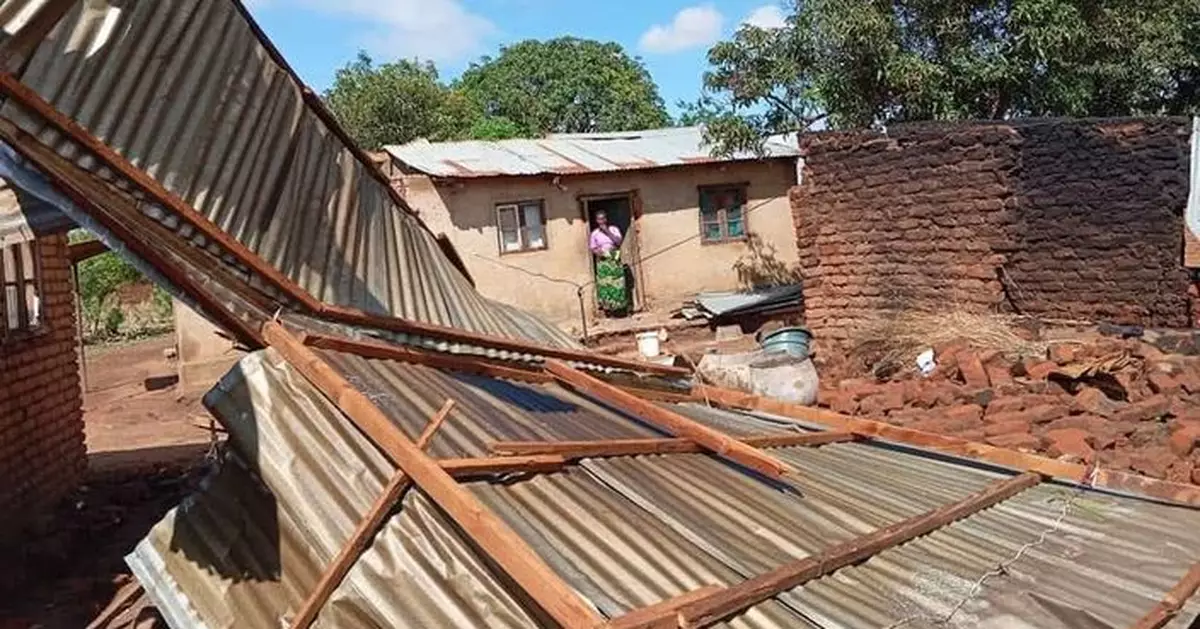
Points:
(1058, 219)
(42, 454)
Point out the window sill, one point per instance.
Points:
(724, 241)
(21, 337)
(516, 252)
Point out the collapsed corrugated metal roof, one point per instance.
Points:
(630, 531)
(562, 154)
(178, 135)
(174, 131)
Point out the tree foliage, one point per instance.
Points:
(396, 103)
(565, 85)
(858, 63)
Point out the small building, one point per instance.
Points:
(42, 456)
(519, 212)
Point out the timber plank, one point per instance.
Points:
(1173, 602)
(492, 535)
(630, 447)
(668, 420)
(737, 598)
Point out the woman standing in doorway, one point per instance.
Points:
(605, 243)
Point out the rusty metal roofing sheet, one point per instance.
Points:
(630, 531)
(572, 153)
(188, 91)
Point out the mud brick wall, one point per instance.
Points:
(1063, 219)
(42, 454)
(1100, 227)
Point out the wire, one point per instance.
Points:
(1001, 569)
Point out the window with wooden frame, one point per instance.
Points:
(722, 213)
(521, 226)
(21, 302)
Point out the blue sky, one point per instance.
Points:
(671, 36)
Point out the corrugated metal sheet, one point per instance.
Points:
(572, 153)
(187, 91)
(631, 531)
(24, 217)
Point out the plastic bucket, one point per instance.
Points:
(647, 343)
(793, 341)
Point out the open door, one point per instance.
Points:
(620, 209)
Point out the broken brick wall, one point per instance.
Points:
(42, 454)
(1067, 219)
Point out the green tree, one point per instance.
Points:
(858, 63)
(565, 85)
(396, 103)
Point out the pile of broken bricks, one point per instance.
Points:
(1120, 402)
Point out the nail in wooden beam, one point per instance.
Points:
(1173, 602)
(492, 535)
(737, 598)
(1185, 494)
(628, 447)
(365, 532)
(670, 421)
(660, 615)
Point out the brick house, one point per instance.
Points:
(42, 453)
(519, 213)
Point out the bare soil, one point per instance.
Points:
(146, 448)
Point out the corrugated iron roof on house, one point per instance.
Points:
(562, 154)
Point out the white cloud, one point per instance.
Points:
(692, 27)
(436, 30)
(766, 16)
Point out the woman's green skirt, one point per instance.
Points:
(610, 283)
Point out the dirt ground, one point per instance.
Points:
(133, 414)
(146, 449)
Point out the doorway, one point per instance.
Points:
(619, 208)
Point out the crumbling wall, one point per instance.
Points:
(42, 454)
(1060, 219)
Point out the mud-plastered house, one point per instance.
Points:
(519, 212)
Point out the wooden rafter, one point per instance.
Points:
(32, 101)
(1072, 472)
(383, 506)
(628, 447)
(490, 534)
(1173, 602)
(660, 615)
(94, 198)
(668, 420)
(521, 372)
(734, 599)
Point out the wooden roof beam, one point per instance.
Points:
(29, 99)
(629, 447)
(521, 372)
(489, 533)
(1071, 472)
(1173, 602)
(65, 177)
(668, 420)
(372, 521)
(737, 598)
